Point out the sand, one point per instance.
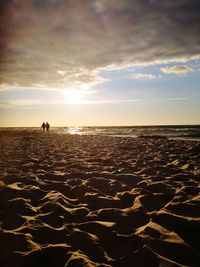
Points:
(69, 200)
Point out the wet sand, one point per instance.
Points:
(69, 200)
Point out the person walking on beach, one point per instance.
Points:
(47, 126)
(43, 126)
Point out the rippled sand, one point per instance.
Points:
(98, 201)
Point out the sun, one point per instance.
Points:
(73, 96)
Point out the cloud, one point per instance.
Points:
(61, 72)
(143, 76)
(85, 79)
(38, 102)
(178, 99)
(110, 101)
(176, 69)
(26, 102)
(54, 42)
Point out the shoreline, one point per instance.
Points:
(39, 131)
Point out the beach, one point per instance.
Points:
(86, 200)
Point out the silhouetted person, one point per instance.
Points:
(43, 126)
(47, 126)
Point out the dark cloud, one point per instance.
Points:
(39, 40)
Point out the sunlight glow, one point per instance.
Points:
(73, 96)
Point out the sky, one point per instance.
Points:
(99, 63)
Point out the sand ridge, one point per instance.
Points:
(70, 200)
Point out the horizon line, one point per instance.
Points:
(103, 126)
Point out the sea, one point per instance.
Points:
(191, 132)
